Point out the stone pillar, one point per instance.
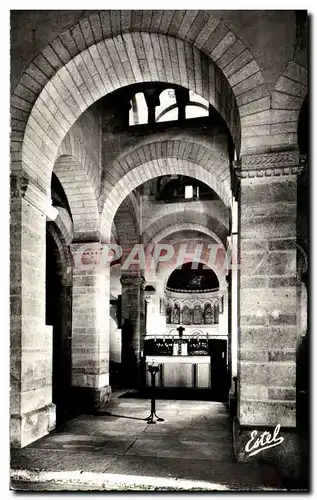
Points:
(182, 98)
(32, 410)
(152, 100)
(267, 298)
(133, 326)
(90, 326)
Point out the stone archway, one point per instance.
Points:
(58, 315)
(146, 171)
(59, 86)
(187, 148)
(180, 221)
(60, 99)
(50, 96)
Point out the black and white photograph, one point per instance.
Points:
(159, 250)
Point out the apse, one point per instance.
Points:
(193, 277)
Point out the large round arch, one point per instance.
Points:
(200, 52)
(65, 96)
(165, 226)
(146, 171)
(188, 149)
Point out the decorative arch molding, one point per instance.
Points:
(80, 194)
(181, 221)
(179, 141)
(190, 149)
(61, 83)
(148, 170)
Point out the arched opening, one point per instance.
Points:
(197, 106)
(94, 378)
(195, 325)
(143, 306)
(59, 316)
(212, 71)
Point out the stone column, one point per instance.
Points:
(267, 295)
(32, 410)
(152, 100)
(133, 326)
(182, 98)
(90, 326)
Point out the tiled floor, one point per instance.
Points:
(194, 442)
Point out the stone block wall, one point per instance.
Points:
(267, 347)
(32, 411)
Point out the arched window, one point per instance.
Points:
(186, 315)
(198, 317)
(176, 314)
(168, 109)
(138, 114)
(208, 314)
(195, 110)
(216, 313)
(198, 106)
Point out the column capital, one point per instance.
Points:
(23, 187)
(85, 246)
(86, 255)
(273, 164)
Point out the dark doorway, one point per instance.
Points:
(218, 369)
(58, 315)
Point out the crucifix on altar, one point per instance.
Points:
(180, 330)
(180, 346)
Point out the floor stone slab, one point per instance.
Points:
(181, 449)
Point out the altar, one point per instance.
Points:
(181, 371)
(183, 362)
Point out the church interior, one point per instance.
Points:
(159, 218)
